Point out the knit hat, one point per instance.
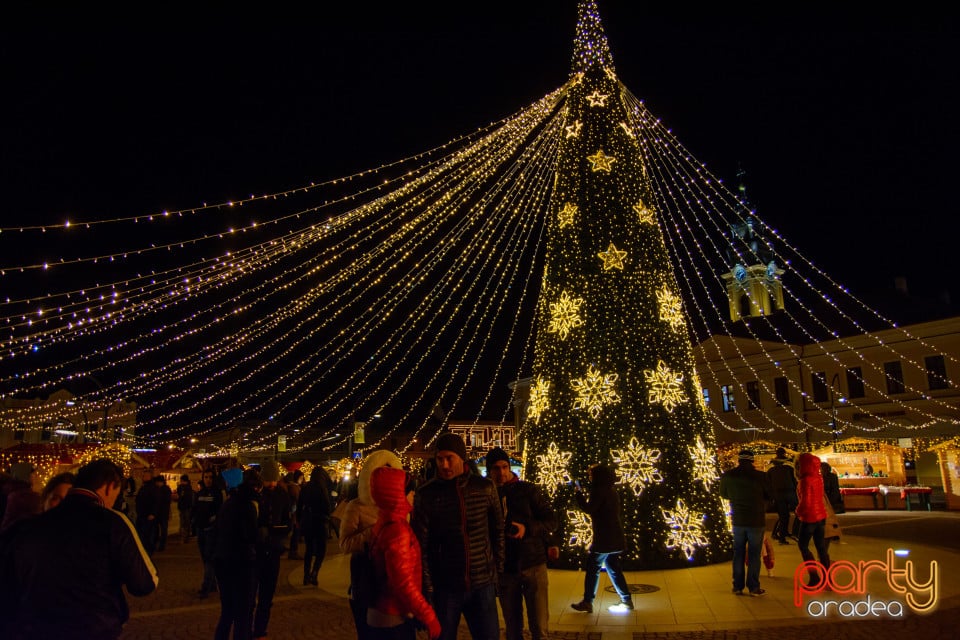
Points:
(21, 471)
(496, 455)
(233, 477)
(270, 471)
(746, 454)
(452, 442)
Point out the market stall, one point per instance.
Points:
(948, 455)
(850, 459)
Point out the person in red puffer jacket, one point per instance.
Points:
(396, 555)
(812, 513)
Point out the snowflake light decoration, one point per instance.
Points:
(685, 529)
(727, 513)
(644, 214)
(637, 467)
(704, 463)
(601, 162)
(539, 401)
(666, 387)
(565, 215)
(581, 529)
(671, 308)
(595, 390)
(565, 315)
(552, 469)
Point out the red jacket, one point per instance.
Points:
(396, 551)
(810, 489)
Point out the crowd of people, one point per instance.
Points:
(805, 488)
(425, 553)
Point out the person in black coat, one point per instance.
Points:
(147, 503)
(206, 506)
(235, 555)
(313, 511)
(608, 539)
(783, 482)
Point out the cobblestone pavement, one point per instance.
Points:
(176, 612)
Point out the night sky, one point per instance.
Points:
(846, 122)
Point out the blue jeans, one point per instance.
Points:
(478, 606)
(592, 579)
(528, 585)
(747, 543)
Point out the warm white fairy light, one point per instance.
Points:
(671, 309)
(539, 400)
(552, 469)
(580, 529)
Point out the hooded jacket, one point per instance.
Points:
(356, 528)
(810, 490)
(396, 552)
(604, 509)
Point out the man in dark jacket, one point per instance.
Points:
(274, 527)
(609, 542)
(530, 519)
(147, 503)
(458, 519)
(313, 512)
(164, 500)
(747, 489)
(235, 554)
(206, 506)
(62, 573)
(783, 483)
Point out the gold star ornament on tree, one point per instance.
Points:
(612, 258)
(565, 215)
(601, 162)
(597, 99)
(644, 213)
(573, 129)
(595, 390)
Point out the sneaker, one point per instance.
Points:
(757, 593)
(737, 592)
(584, 605)
(622, 607)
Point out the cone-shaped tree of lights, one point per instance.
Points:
(613, 378)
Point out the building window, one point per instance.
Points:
(729, 403)
(936, 372)
(781, 389)
(744, 306)
(894, 372)
(706, 396)
(855, 382)
(820, 392)
(753, 395)
(19, 434)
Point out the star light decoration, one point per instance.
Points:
(581, 530)
(627, 130)
(601, 162)
(637, 467)
(565, 315)
(666, 386)
(610, 73)
(597, 99)
(671, 309)
(685, 529)
(644, 213)
(573, 129)
(704, 463)
(612, 258)
(565, 215)
(539, 399)
(595, 390)
(552, 469)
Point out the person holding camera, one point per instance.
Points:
(530, 519)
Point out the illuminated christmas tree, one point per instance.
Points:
(614, 378)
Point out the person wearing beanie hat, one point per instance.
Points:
(458, 519)
(451, 442)
(530, 520)
(748, 490)
(274, 526)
